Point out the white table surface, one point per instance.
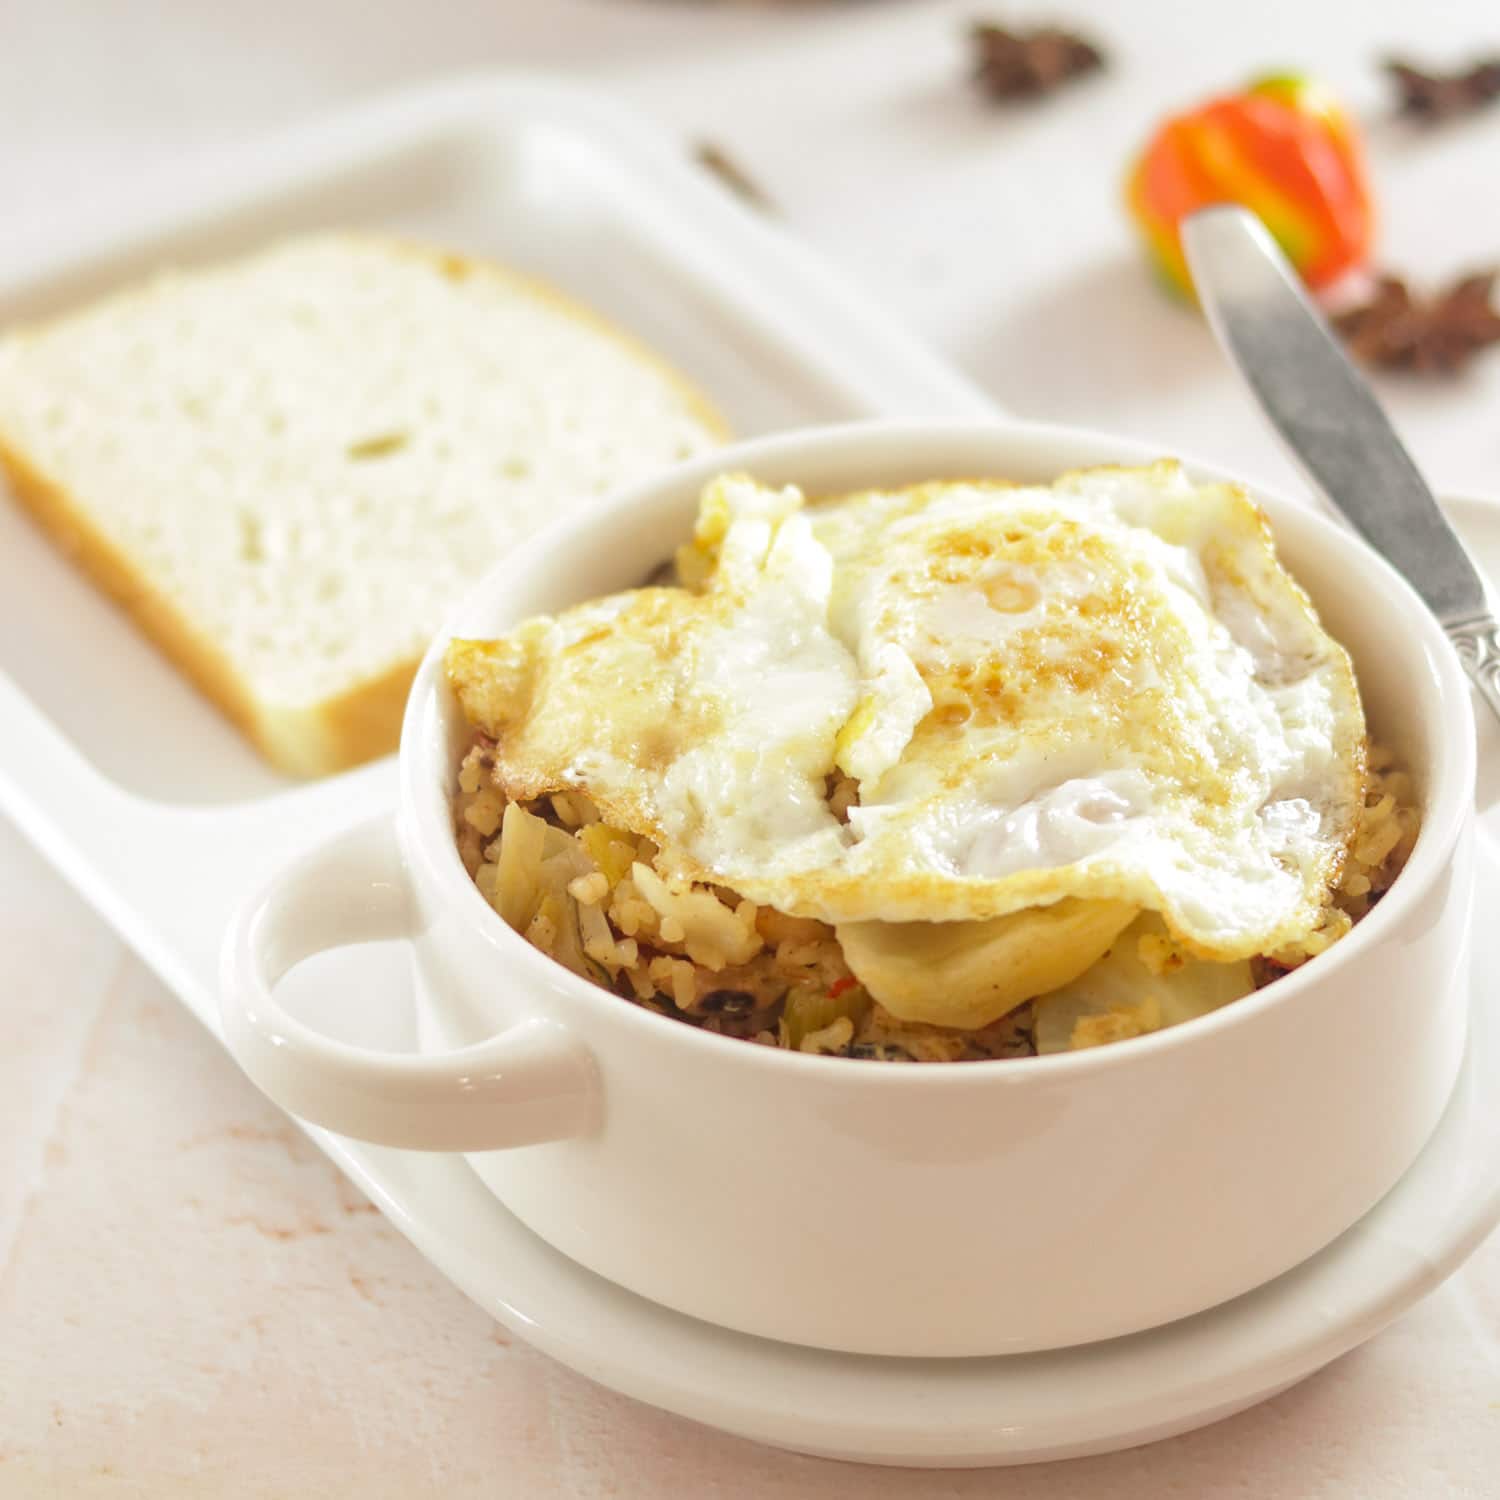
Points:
(191, 1300)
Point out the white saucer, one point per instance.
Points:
(1010, 1409)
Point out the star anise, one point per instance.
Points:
(1397, 330)
(1432, 97)
(1026, 64)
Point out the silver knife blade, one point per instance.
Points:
(1336, 430)
(1323, 409)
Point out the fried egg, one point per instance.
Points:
(1063, 706)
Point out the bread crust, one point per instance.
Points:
(323, 738)
(363, 721)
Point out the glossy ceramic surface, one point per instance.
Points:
(810, 1199)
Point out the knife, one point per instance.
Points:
(1329, 418)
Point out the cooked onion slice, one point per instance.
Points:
(967, 974)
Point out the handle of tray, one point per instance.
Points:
(533, 1082)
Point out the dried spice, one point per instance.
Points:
(729, 172)
(1396, 330)
(1432, 97)
(1027, 64)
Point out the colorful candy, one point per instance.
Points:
(1283, 148)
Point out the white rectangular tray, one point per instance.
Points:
(128, 781)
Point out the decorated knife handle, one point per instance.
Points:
(1477, 641)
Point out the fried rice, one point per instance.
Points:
(593, 898)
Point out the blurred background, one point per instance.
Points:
(995, 230)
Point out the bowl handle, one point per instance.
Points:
(532, 1082)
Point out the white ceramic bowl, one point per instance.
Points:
(877, 1208)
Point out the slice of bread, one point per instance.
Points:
(287, 468)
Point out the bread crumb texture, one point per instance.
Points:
(289, 467)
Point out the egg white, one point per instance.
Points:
(1106, 689)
